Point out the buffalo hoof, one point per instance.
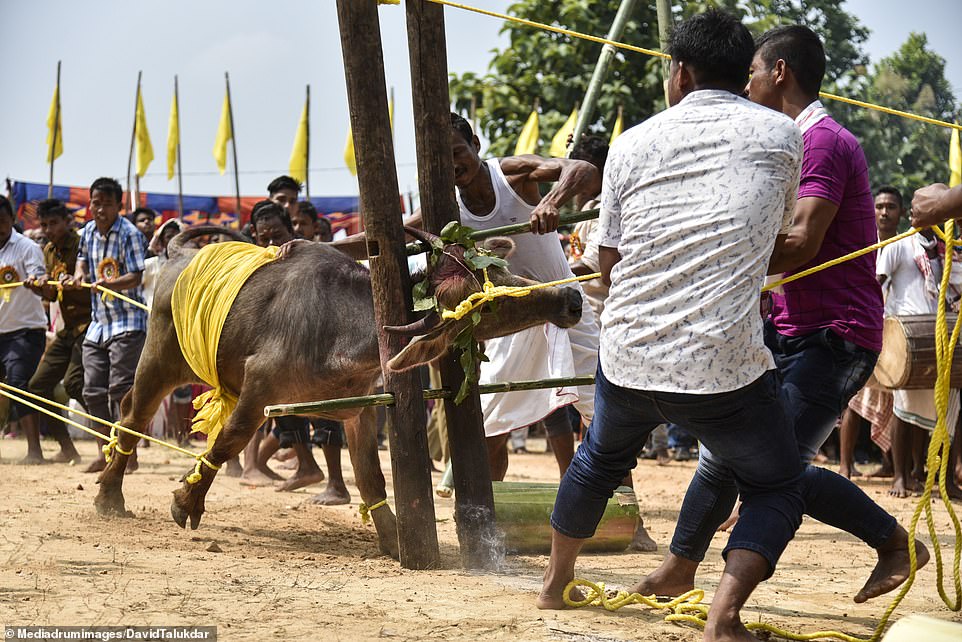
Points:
(184, 506)
(111, 504)
(386, 525)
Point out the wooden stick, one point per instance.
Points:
(313, 407)
(390, 281)
(180, 177)
(133, 136)
(56, 131)
(307, 152)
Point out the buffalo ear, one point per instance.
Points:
(425, 349)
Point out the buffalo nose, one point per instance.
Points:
(574, 301)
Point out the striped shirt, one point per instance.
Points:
(126, 245)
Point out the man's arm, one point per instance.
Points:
(571, 177)
(811, 219)
(935, 204)
(608, 257)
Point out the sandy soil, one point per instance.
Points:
(303, 572)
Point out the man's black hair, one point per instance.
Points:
(143, 210)
(265, 210)
(109, 186)
(888, 189)
(307, 208)
(802, 51)
(718, 47)
(323, 222)
(52, 207)
(5, 206)
(593, 149)
(463, 127)
(283, 182)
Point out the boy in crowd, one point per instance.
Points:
(284, 191)
(112, 256)
(22, 319)
(63, 359)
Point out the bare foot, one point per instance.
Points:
(899, 489)
(66, 457)
(288, 464)
(893, 566)
(300, 480)
(642, 541)
(551, 596)
(848, 471)
(33, 460)
(266, 472)
(332, 496)
(96, 465)
(675, 576)
(132, 465)
(284, 454)
(736, 632)
(256, 478)
(233, 468)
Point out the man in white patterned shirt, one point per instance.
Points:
(692, 202)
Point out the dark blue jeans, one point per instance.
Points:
(20, 352)
(746, 428)
(819, 374)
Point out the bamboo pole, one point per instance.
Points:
(598, 76)
(56, 132)
(309, 408)
(664, 28)
(233, 145)
(180, 177)
(390, 282)
(133, 136)
(508, 230)
(307, 153)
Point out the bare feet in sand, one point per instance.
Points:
(233, 467)
(903, 487)
(893, 565)
(675, 576)
(33, 460)
(256, 478)
(551, 596)
(642, 541)
(66, 457)
(332, 496)
(300, 480)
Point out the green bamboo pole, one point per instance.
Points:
(508, 230)
(387, 399)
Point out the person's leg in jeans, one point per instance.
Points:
(328, 435)
(52, 368)
(96, 361)
(20, 352)
(124, 353)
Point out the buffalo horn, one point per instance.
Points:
(421, 235)
(419, 327)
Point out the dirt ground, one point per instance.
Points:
(287, 570)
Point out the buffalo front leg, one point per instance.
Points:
(188, 502)
(137, 409)
(361, 434)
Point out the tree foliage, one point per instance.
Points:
(553, 70)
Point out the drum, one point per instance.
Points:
(907, 360)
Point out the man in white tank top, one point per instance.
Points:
(505, 191)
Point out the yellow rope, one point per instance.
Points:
(104, 292)
(661, 54)
(366, 510)
(112, 440)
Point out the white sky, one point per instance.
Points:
(271, 50)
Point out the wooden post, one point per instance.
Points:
(307, 152)
(233, 146)
(664, 28)
(56, 132)
(390, 281)
(180, 176)
(133, 136)
(474, 508)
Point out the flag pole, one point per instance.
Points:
(180, 177)
(233, 144)
(56, 132)
(307, 152)
(133, 136)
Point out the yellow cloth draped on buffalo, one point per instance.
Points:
(203, 295)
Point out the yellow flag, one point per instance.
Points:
(528, 140)
(559, 144)
(225, 131)
(173, 138)
(298, 162)
(955, 160)
(349, 158)
(145, 151)
(618, 128)
(54, 123)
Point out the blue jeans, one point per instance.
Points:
(678, 437)
(20, 353)
(746, 428)
(820, 373)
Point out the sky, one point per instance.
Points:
(272, 50)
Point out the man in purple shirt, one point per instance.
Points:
(825, 330)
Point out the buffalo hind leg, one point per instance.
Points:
(136, 411)
(188, 502)
(361, 434)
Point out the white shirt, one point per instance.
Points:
(902, 263)
(23, 311)
(693, 199)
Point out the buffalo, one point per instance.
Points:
(302, 328)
